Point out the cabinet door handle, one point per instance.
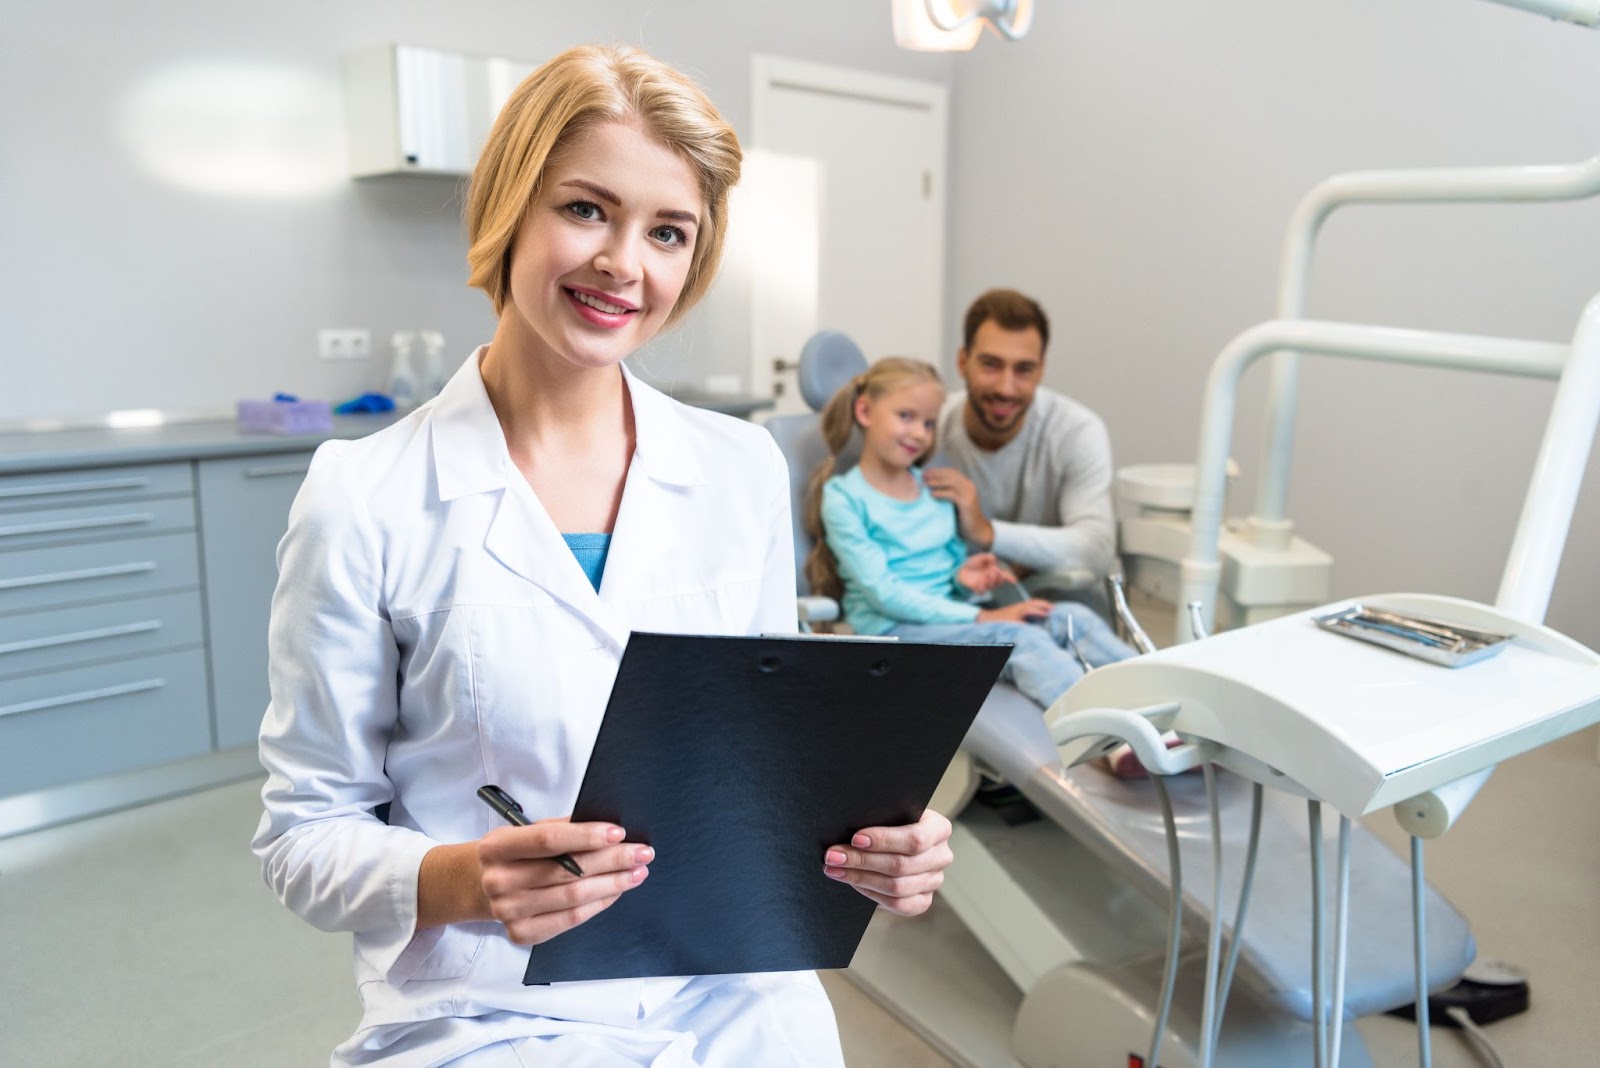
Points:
(44, 489)
(73, 576)
(273, 470)
(80, 636)
(82, 696)
(60, 526)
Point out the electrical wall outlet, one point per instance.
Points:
(347, 344)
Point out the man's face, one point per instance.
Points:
(1002, 370)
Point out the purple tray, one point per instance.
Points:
(284, 417)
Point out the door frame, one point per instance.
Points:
(771, 72)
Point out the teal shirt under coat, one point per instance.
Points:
(897, 559)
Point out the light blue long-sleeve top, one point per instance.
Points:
(897, 559)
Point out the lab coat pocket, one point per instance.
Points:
(540, 682)
(439, 953)
(726, 605)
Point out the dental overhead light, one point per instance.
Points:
(956, 25)
(1582, 12)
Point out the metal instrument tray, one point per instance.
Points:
(1437, 641)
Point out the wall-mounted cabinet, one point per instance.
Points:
(420, 110)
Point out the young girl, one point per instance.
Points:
(455, 593)
(891, 552)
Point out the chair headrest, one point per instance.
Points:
(828, 360)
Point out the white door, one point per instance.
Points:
(844, 201)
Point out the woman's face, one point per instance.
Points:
(898, 424)
(604, 248)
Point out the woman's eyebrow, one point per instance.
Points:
(601, 192)
(598, 190)
(679, 216)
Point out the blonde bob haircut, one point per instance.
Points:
(580, 89)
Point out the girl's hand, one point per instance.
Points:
(982, 572)
(1021, 612)
(898, 867)
(534, 896)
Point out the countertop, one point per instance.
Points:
(24, 450)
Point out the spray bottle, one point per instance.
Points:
(402, 376)
(434, 375)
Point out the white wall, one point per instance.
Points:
(120, 287)
(1134, 166)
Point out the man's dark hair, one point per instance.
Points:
(1011, 310)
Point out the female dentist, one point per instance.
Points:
(455, 593)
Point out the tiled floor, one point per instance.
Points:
(147, 938)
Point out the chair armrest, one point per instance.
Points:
(1068, 580)
(817, 609)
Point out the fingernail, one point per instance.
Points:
(615, 834)
(835, 857)
(638, 874)
(861, 841)
(833, 873)
(643, 855)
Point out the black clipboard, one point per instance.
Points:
(741, 760)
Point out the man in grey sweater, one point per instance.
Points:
(1031, 474)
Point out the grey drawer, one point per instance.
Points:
(244, 510)
(46, 641)
(66, 574)
(64, 726)
(54, 489)
(94, 522)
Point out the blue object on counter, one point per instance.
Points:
(284, 414)
(367, 402)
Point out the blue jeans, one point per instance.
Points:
(1040, 665)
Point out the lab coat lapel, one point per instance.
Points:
(655, 515)
(525, 539)
(470, 457)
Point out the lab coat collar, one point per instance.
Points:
(662, 436)
(470, 456)
(469, 448)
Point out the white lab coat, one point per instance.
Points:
(431, 632)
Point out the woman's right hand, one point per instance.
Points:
(1022, 612)
(534, 896)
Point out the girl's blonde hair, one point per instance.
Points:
(580, 89)
(839, 428)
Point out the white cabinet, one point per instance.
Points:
(422, 111)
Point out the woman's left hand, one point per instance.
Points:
(898, 867)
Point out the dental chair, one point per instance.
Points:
(1048, 941)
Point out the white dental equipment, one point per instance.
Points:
(1280, 704)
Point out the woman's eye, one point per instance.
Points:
(584, 209)
(670, 235)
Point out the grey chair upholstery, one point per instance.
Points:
(828, 360)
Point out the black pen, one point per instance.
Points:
(511, 812)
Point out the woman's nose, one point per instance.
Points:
(619, 258)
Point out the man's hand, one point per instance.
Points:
(898, 867)
(948, 484)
